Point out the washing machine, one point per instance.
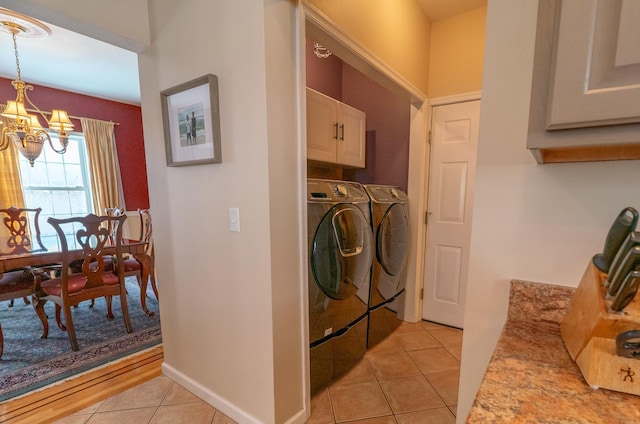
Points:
(390, 223)
(340, 258)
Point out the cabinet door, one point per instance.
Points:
(322, 130)
(596, 79)
(351, 137)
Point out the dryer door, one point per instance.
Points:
(392, 239)
(342, 251)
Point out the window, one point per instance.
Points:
(59, 184)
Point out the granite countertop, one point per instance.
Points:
(532, 379)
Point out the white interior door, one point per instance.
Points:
(449, 203)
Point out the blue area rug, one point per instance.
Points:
(29, 362)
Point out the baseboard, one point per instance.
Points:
(60, 399)
(228, 408)
(299, 418)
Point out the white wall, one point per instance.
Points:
(540, 223)
(230, 302)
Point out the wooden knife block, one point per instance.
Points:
(589, 332)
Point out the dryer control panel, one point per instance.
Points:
(335, 191)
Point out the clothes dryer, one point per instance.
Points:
(340, 257)
(390, 223)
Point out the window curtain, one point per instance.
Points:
(106, 184)
(10, 182)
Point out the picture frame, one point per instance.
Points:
(191, 119)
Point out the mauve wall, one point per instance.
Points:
(324, 75)
(129, 136)
(387, 161)
(388, 116)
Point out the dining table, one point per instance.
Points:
(34, 259)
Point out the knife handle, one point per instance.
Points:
(627, 292)
(625, 223)
(632, 240)
(630, 263)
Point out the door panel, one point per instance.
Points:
(453, 190)
(322, 119)
(450, 204)
(351, 139)
(447, 272)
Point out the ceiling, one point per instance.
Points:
(69, 61)
(73, 62)
(438, 10)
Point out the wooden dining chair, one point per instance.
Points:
(146, 236)
(132, 266)
(91, 234)
(20, 239)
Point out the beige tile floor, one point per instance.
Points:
(158, 401)
(409, 378)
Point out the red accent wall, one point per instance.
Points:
(128, 134)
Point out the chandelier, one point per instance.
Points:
(23, 128)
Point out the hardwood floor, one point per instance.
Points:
(56, 401)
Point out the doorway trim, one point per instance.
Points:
(330, 35)
(456, 98)
(325, 31)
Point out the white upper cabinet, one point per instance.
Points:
(335, 131)
(585, 97)
(596, 76)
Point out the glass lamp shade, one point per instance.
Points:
(15, 110)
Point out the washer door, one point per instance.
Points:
(392, 240)
(341, 252)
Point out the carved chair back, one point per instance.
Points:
(21, 238)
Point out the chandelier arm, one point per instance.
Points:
(63, 142)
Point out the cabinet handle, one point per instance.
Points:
(342, 129)
(336, 128)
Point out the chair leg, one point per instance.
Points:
(109, 311)
(11, 303)
(26, 300)
(71, 331)
(125, 309)
(38, 305)
(153, 284)
(59, 319)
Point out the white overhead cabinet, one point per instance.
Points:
(335, 131)
(587, 74)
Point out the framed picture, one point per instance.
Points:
(191, 118)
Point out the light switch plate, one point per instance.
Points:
(234, 219)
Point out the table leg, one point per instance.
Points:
(145, 261)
